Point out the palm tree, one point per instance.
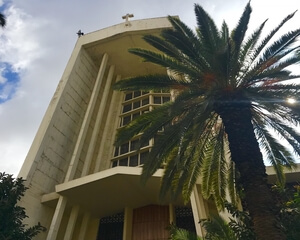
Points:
(230, 90)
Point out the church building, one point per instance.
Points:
(80, 185)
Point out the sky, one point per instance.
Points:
(40, 35)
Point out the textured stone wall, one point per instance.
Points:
(50, 154)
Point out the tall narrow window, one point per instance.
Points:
(135, 104)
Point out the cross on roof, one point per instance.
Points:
(126, 17)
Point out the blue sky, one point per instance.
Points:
(39, 38)
(9, 81)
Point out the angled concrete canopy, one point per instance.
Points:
(110, 191)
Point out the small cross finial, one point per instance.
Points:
(126, 17)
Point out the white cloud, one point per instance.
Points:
(21, 45)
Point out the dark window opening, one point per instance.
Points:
(166, 99)
(133, 161)
(128, 96)
(136, 104)
(157, 100)
(123, 162)
(134, 145)
(137, 94)
(126, 108)
(115, 164)
(116, 152)
(111, 227)
(145, 101)
(126, 120)
(135, 115)
(124, 148)
(185, 218)
(143, 157)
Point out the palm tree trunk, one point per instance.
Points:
(248, 159)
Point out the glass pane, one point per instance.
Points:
(145, 101)
(124, 148)
(166, 99)
(123, 162)
(134, 145)
(145, 92)
(133, 161)
(135, 115)
(145, 144)
(137, 94)
(114, 163)
(143, 157)
(128, 96)
(157, 100)
(116, 151)
(127, 108)
(126, 119)
(136, 104)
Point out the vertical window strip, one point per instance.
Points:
(135, 104)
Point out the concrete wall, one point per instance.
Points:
(46, 167)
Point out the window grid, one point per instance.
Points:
(135, 104)
(133, 160)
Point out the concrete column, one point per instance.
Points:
(171, 214)
(84, 225)
(106, 129)
(199, 212)
(56, 219)
(104, 98)
(127, 228)
(86, 121)
(71, 223)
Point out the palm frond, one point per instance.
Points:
(149, 82)
(276, 154)
(289, 134)
(163, 46)
(237, 37)
(246, 52)
(224, 33)
(208, 32)
(262, 67)
(141, 123)
(280, 45)
(183, 38)
(182, 169)
(218, 229)
(165, 61)
(182, 234)
(165, 147)
(214, 170)
(197, 154)
(266, 40)
(238, 34)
